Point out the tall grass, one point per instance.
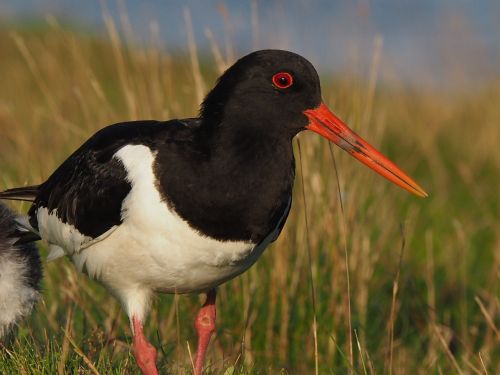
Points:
(401, 285)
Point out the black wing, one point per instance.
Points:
(87, 190)
(24, 193)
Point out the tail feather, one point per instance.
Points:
(20, 271)
(25, 238)
(24, 193)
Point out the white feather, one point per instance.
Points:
(17, 297)
(55, 252)
(63, 238)
(24, 225)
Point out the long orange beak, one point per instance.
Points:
(326, 124)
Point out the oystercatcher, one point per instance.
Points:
(20, 272)
(182, 206)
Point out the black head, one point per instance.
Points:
(273, 94)
(268, 89)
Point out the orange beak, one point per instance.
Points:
(326, 124)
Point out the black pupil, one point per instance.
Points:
(283, 80)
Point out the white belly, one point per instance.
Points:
(168, 261)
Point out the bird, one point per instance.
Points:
(20, 273)
(184, 205)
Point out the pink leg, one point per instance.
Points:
(205, 325)
(144, 352)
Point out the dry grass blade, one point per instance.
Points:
(193, 56)
(66, 343)
(35, 71)
(78, 351)
(447, 350)
(216, 53)
(395, 287)
(346, 255)
(360, 352)
(121, 65)
(488, 317)
(311, 278)
(191, 359)
(372, 81)
(482, 363)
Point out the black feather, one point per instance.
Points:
(25, 237)
(24, 193)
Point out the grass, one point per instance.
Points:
(401, 285)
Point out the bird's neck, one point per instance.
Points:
(243, 155)
(245, 140)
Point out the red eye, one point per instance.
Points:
(282, 80)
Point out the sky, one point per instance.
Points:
(452, 44)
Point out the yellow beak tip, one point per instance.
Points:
(422, 193)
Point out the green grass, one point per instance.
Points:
(424, 273)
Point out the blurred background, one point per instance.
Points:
(446, 43)
(402, 285)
